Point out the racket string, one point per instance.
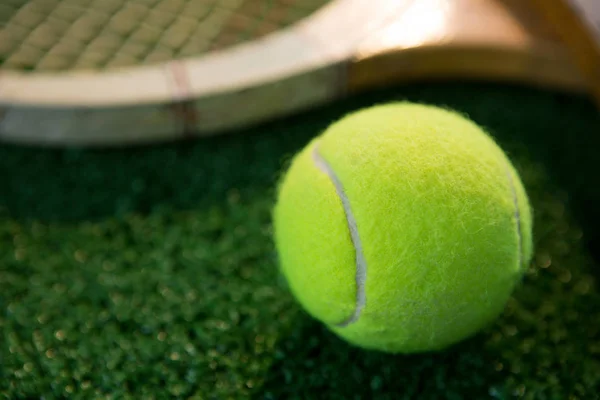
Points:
(55, 35)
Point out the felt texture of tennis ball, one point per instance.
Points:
(403, 228)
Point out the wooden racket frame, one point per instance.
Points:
(345, 47)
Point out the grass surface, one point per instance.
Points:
(151, 273)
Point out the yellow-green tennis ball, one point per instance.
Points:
(403, 228)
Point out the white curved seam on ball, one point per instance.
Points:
(361, 264)
(517, 217)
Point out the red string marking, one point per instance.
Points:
(183, 105)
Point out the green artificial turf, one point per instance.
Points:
(151, 273)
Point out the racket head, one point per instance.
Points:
(327, 50)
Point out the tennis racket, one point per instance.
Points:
(122, 72)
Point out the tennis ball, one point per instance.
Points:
(403, 228)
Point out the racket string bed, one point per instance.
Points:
(57, 35)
